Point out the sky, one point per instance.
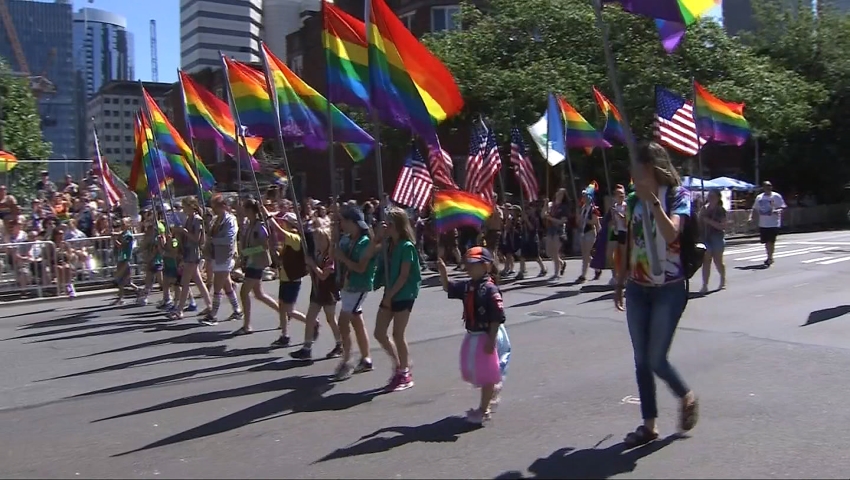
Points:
(139, 13)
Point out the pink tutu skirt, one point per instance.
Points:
(476, 366)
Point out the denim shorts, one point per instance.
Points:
(715, 243)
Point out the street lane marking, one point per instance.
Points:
(748, 249)
(824, 243)
(803, 251)
(835, 260)
(819, 259)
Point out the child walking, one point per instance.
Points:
(124, 247)
(483, 316)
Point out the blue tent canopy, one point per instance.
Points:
(698, 183)
(734, 184)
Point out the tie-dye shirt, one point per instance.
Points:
(679, 203)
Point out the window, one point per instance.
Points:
(127, 126)
(106, 113)
(355, 179)
(126, 101)
(296, 63)
(128, 138)
(108, 138)
(128, 150)
(135, 101)
(108, 150)
(107, 100)
(126, 113)
(339, 178)
(443, 18)
(115, 113)
(107, 125)
(407, 20)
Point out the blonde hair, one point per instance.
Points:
(652, 153)
(191, 203)
(325, 234)
(401, 224)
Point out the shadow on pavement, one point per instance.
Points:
(305, 394)
(207, 336)
(129, 326)
(555, 296)
(826, 314)
(74, 319)
(569, 463)
(37, 312)
(523, 284)
(151, 382)
(759, 266)
(218, 351)
(77, 328)
(447, 430)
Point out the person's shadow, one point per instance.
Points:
(569, 463)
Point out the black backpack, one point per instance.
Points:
(691, 249)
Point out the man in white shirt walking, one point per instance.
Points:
(767, 210)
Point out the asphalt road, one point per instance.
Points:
(90, 391)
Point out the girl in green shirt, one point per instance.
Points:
(400, 292)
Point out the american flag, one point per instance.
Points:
(522, 166)
(441, 167)
(110, 190)
(674, 122)
(484, 161)
(414, 186)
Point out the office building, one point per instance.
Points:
(234, 27)
(113, 109)
(283, 18)
(103, 48)
(44, 32)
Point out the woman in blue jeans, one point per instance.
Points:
(654, 302)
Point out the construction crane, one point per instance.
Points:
(154, 62)
(39, 83)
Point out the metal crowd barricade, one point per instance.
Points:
(96, 260)
(33, 275)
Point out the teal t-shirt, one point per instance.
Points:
(126, 252)
(401, 253)
(361, 282)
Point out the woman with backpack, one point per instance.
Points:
(292, 267)
(255, 260)
(654, 302)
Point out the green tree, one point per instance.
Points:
(508, 58)
(21, 132)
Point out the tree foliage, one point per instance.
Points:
(510, 55)
(21, 131)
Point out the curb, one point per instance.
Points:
(80, 295)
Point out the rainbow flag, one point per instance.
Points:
(580, 133)
(613, 129)
(347, 57)
(183, 161)
(147, 166)
(718, 120)
(308, 110)
(252, 101)
(209, 118)
(7, 161)
(280, 178)
(408, 85)
(456, 208)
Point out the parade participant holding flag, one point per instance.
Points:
(222, 237)
(255, 258)
(191, 238)
(588, 229)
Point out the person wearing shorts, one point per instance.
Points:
(358, 280)
(292, 268)
(223, 239)
(767, 211)
(255, 255)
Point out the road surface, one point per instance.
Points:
(89, 391)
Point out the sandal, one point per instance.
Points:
(641, 436)
(242, 331)
(688, 416)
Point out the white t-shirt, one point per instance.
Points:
(620, 209)
(765, 204)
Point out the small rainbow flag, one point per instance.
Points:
(280, 178)
(613, 129)
(346, 50)
(408, 85)
(580, 133)
(308, 110)
(252, 100)
(7, 161)
(209, 118)
(456, 208)
(718, 120)
(183, 161)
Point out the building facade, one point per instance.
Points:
(103, 48)
(112, 111)
(234, 27)
(44, 31)
(284, 17)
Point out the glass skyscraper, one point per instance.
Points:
(44, 32)
(103, 48)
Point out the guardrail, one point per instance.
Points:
(25, 267)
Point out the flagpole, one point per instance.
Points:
(377, 136)
(500, 173)
(699, 143)
(756, 141)
(570, 166)
(155, 152)
(548, 165)
(270, 88)
(191, 141)
(652, 249)
(102, 174)
(604, 156)
(329, 113)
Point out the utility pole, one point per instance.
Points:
(154, 62)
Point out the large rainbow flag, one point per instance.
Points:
(719, 120)
(252, 101)
(148, 165)
(208, 118)
(183, 161)
(580, 133)
(408, 85)
(347, 57)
